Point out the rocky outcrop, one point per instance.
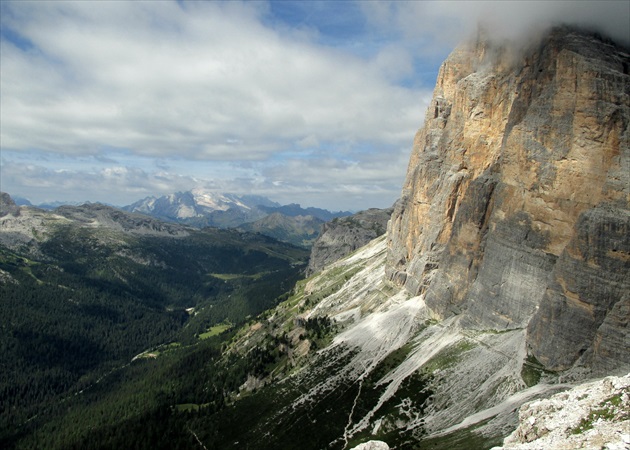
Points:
(342, 236)
(515, 210)
(592, 415)
(23, 227)
(8, 206)
(372, 445)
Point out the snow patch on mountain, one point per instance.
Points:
(217, 201)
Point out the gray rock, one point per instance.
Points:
(342, 236)
(7, 205)
(591, 415)
(585, 307)
(372, 445)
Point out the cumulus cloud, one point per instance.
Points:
(316, 182)
(203, 80)
(113, 184)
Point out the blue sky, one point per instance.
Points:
(308, 102)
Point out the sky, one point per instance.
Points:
(310, 102)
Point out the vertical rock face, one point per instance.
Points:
(8, 206)
(343, 235)
(515, 211)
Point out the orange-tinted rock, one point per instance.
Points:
(515, 210)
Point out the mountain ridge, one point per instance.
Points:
(205, 208)
(199, 208)
(298, 230)
(343, 235)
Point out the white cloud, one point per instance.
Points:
(394, 62)
(114, 184)
(324, 181)
(207, 81)
(436, 26)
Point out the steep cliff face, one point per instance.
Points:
(515, 211)
(506, 263)
(341, 236)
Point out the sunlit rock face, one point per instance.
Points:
(515, 210)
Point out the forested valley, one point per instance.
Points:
(114, 340)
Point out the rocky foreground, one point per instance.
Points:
(591, 415)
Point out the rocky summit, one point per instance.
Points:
(514, 213)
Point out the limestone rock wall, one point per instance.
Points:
(343, 235)
(515, 210)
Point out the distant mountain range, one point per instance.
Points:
(90, 290)
(502, 279)
(199, 208)
(48, 206)
(297, 230)
(21, 201)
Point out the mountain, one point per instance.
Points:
(330, 240)
(514, 214)
(21, 201)
(51, 205)
(503, 277)
(342, 236)
(200, 208)
(295, 209)
(297, 230)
